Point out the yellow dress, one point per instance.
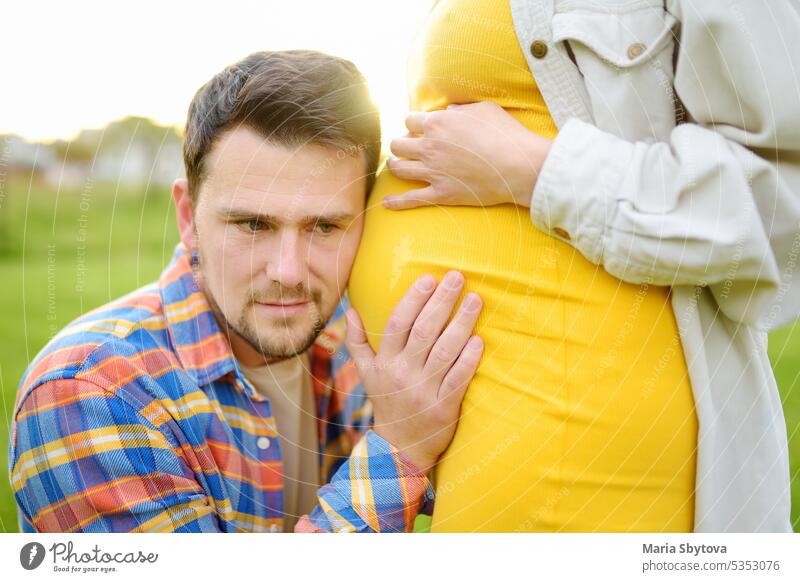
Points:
(581, 416)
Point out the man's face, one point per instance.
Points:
(277, 230)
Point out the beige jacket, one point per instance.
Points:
(678, 163)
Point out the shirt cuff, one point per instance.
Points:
(378, 489)
(577, 189)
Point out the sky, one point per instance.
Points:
(67, 66)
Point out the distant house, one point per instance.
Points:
(20, 156)
(133, 152)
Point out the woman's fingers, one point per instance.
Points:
(458, 378)
(431, 321)
(398, 327)
(415, 121)
(409, 169)
(407, 147)
(411, 199)
(454, 338)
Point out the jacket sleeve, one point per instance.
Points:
(375, 490)
(718, 204)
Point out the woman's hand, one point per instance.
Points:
(473, 155)
(418, 378)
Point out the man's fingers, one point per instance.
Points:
(455, 383)
(407, 147)
(356, 340)
(409, 169)
(455, 337)
(415, 121)
(431, 321)
(411, 199)
(395, 335)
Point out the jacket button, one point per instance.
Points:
(539, 49)
(262, 443)
(562, 233)
(635, 50)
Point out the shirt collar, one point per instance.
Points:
(200, 346)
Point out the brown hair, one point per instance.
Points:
(290, 98)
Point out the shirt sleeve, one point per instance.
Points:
(376, 490)
(716, 205)
(83, 460)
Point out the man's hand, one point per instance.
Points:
(418, 378)
(470, 155)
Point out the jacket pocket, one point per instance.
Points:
(625, 57)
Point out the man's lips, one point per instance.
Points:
(285, 308)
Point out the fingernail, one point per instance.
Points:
(472, 302)
(475, 343)
(389, 201)
(426, 283)
(453, 280)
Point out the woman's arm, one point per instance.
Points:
(718, 204)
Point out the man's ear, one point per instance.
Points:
(184, 212)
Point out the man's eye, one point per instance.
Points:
(324, 227)
(252, 225)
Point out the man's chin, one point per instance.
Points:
(284, 337)
(282, 350)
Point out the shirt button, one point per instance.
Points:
(635, 50)
(561, 233)
(263, 443)
(539, 49)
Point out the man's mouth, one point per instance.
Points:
(282, 308)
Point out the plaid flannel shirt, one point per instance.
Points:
(136, 417)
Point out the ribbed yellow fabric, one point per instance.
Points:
(581, 416)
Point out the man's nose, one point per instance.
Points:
(288, 264)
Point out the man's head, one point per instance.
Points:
(280, 150)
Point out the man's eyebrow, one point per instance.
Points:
(237, 214)
(340, 217)
(233, 214)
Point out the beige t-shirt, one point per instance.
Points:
(288, 387)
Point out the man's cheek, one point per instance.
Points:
(232, 295)
(347, 250)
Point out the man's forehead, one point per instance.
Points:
(242, 151)
(245, 165)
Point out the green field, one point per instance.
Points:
(62, 254)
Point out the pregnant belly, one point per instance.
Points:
(580, 417)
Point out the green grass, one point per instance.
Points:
(63, 254)
(784, 353)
